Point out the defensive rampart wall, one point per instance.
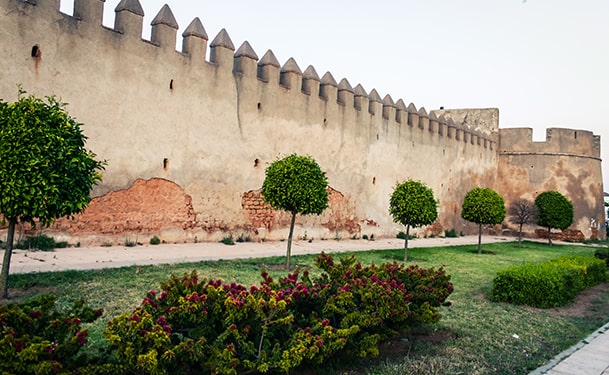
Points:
(187, 135)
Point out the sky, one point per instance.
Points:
(543, 63)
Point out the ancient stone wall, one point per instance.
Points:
(201, 125)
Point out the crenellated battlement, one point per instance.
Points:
(573, 142)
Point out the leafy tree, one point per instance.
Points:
(483, 206)
(554, 210)
(45, 171)
(412, 204)
(295, 184)
(522, 211)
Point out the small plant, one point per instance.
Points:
(106, 244)
(244, 238)
(155, 240)
(130, 243)
(365, 237)
(337, 236)
(41, 242)
(372, 237)
(228, 240)
(451, 233)
(402, 236)
(355, 237)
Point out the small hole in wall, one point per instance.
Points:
(325, 122)
(377, 137)
(36, 52)
(373, 180)
(575, 133)
(259, 106)
(256, 162)
(171, 85)
(531, 167)
(165, 164)
(444, 152)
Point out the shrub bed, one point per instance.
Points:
(602, 254)
(207, 326)
(549, 284)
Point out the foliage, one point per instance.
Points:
(209, 326)
(451, 233)
(155, 240)
(228, 240)
(412, 204)
(37, 338)
(41, 242)
(554, 210)
(521, 212)
(483, 206)
(45, 170)
(295, 184)
(602, 253)
(549, 284)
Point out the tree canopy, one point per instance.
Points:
(412, 204)
(521, 212)
(483, 206)
(295, 184)
(45, 170)
(554, 210)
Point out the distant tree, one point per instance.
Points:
(412, 204)
(295, 184)
(45, 171)
(554, 210)
(483, 206)
(521, 211)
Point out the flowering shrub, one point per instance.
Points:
(38, 339)
(208, 326)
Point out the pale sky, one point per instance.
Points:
(543, 63)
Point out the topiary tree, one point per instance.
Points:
(295, 184)
(412, 204)
(45, 170)
(521, 211)
(483, 206)
(554, 210)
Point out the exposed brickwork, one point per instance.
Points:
(565, 235)
(147, 206)
(260, 213)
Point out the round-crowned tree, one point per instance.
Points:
(412, 204)
(45, 171)
(483, 206)
(295, 184)
(554, 210)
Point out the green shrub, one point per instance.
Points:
(246, 238)
(228, 240)
(41, 242)
(130, 243)
(451, 233)
(37, 338)
(548, 284)
(402, 236)
(155, 240)
(602, 254)
(206, 326)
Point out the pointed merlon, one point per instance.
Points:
(246, 50)
(374, 96)
(450, 122)
(359, 91)
(222, 40)
(291, 66)
(195, 28)
(328, 79)
(442, 119)
(401, 105)
(165, 17)
(388, 101)
(411, 108)
(344, 85)
(269, 59)
(432, 116)
(132, 6)
(423, 112)
(311, 73)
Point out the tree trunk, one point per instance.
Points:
(520, 236)
(550, 236)
(7, 258)
(479, 238)
(289, 252)
(406, 244)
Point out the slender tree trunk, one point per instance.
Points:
(479, 238)
(520, 236)
(550, 236)
(289, 252)
(7, 259)
(406, 244)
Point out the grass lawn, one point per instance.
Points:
(475, 336)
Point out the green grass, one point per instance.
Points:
(475, 336)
